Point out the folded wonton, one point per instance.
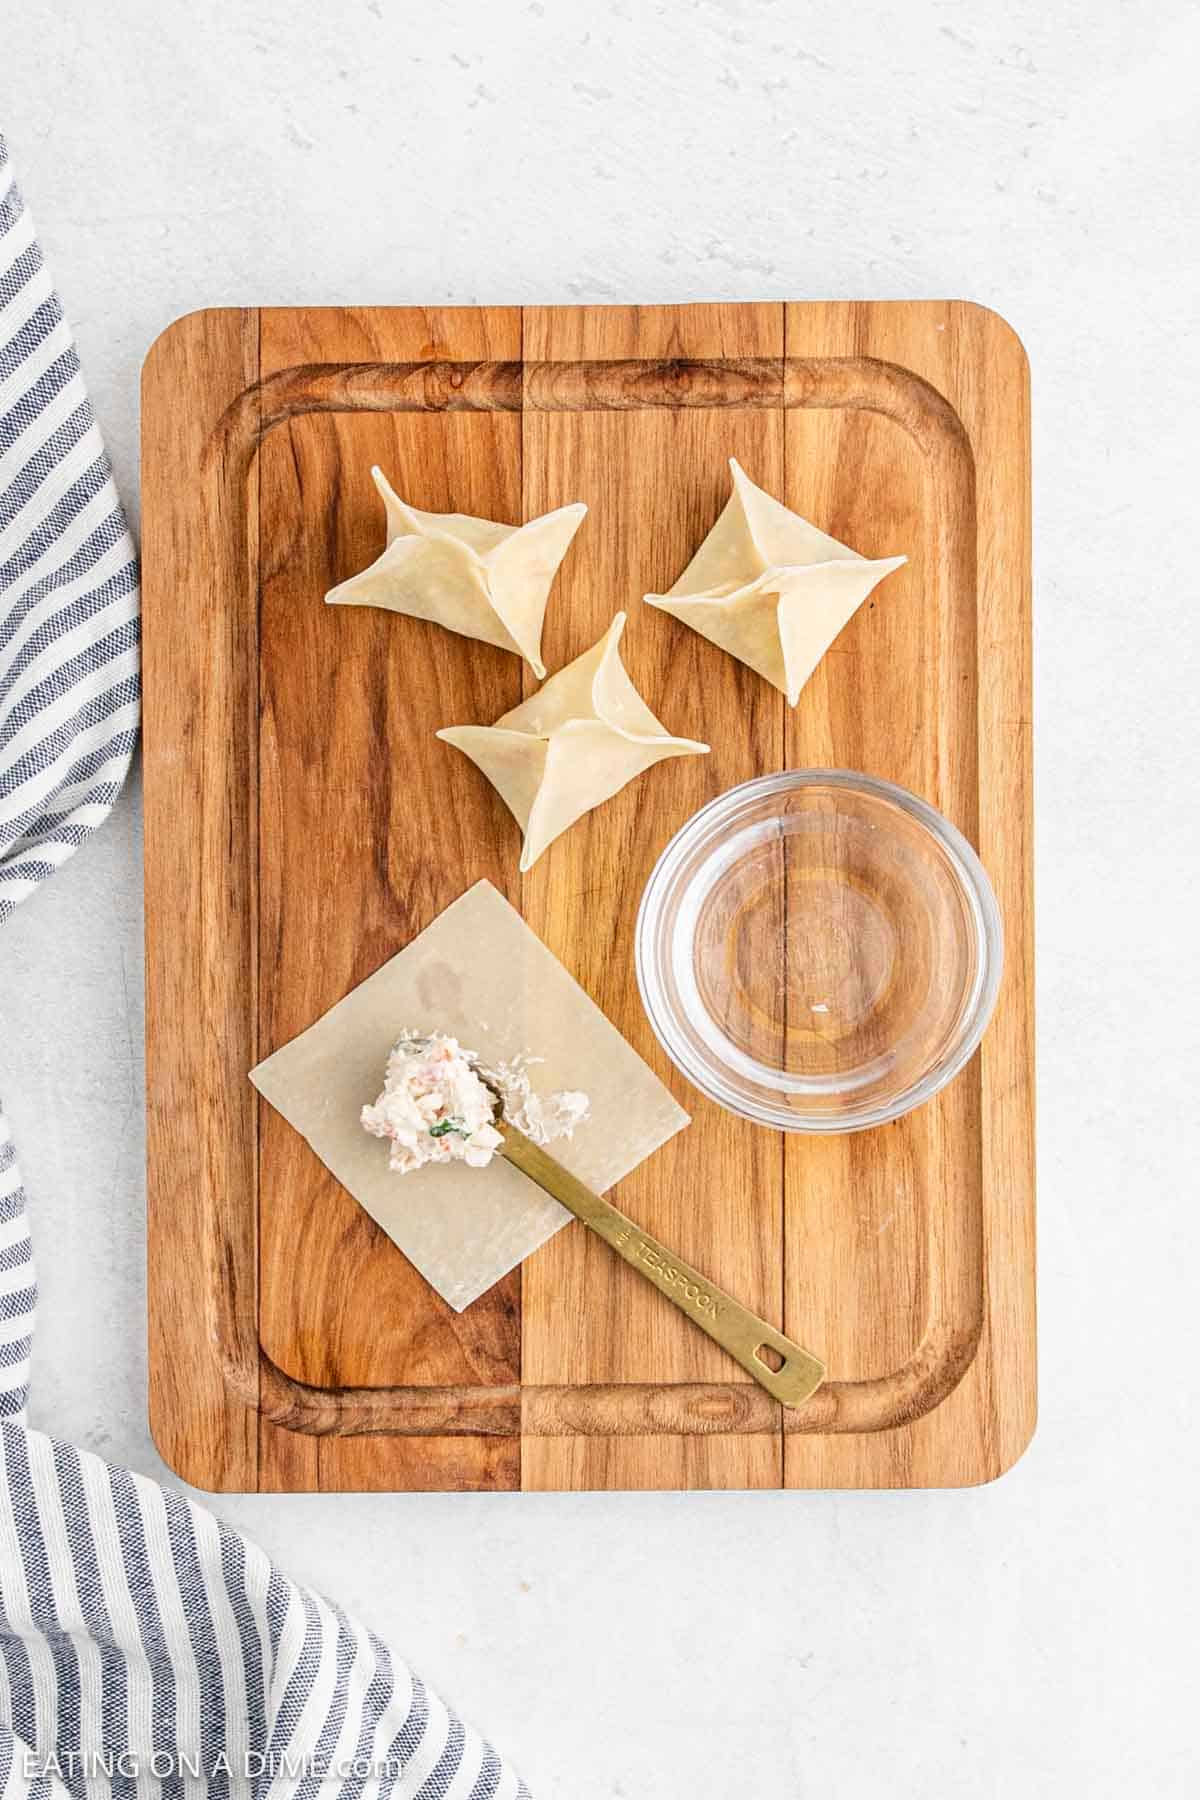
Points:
(573, 744)
(475, 577)
(770, 588)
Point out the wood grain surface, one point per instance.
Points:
(303, 823)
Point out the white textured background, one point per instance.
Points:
(1035, 1638)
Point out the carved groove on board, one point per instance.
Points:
(769, 383)
(613, 1409)
(952, 1333)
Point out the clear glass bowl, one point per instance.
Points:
(819, 951)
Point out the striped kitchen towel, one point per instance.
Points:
(145, 1649)
(68, 651)
(148, 1650)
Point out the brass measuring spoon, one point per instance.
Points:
(788, 1372)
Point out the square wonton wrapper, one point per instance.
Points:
(479, 974)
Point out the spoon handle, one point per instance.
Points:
(788, 1372)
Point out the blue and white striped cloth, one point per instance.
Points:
(145, 1649)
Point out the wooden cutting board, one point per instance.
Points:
(302, 823)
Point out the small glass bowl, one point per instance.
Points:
(818, 950)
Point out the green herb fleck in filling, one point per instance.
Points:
(444, 1126)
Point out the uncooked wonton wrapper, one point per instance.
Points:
(575, 743)
(477, 973)
(473, 576)
(770, 588)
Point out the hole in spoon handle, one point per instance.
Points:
(796, 1374)
(789, 1372)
